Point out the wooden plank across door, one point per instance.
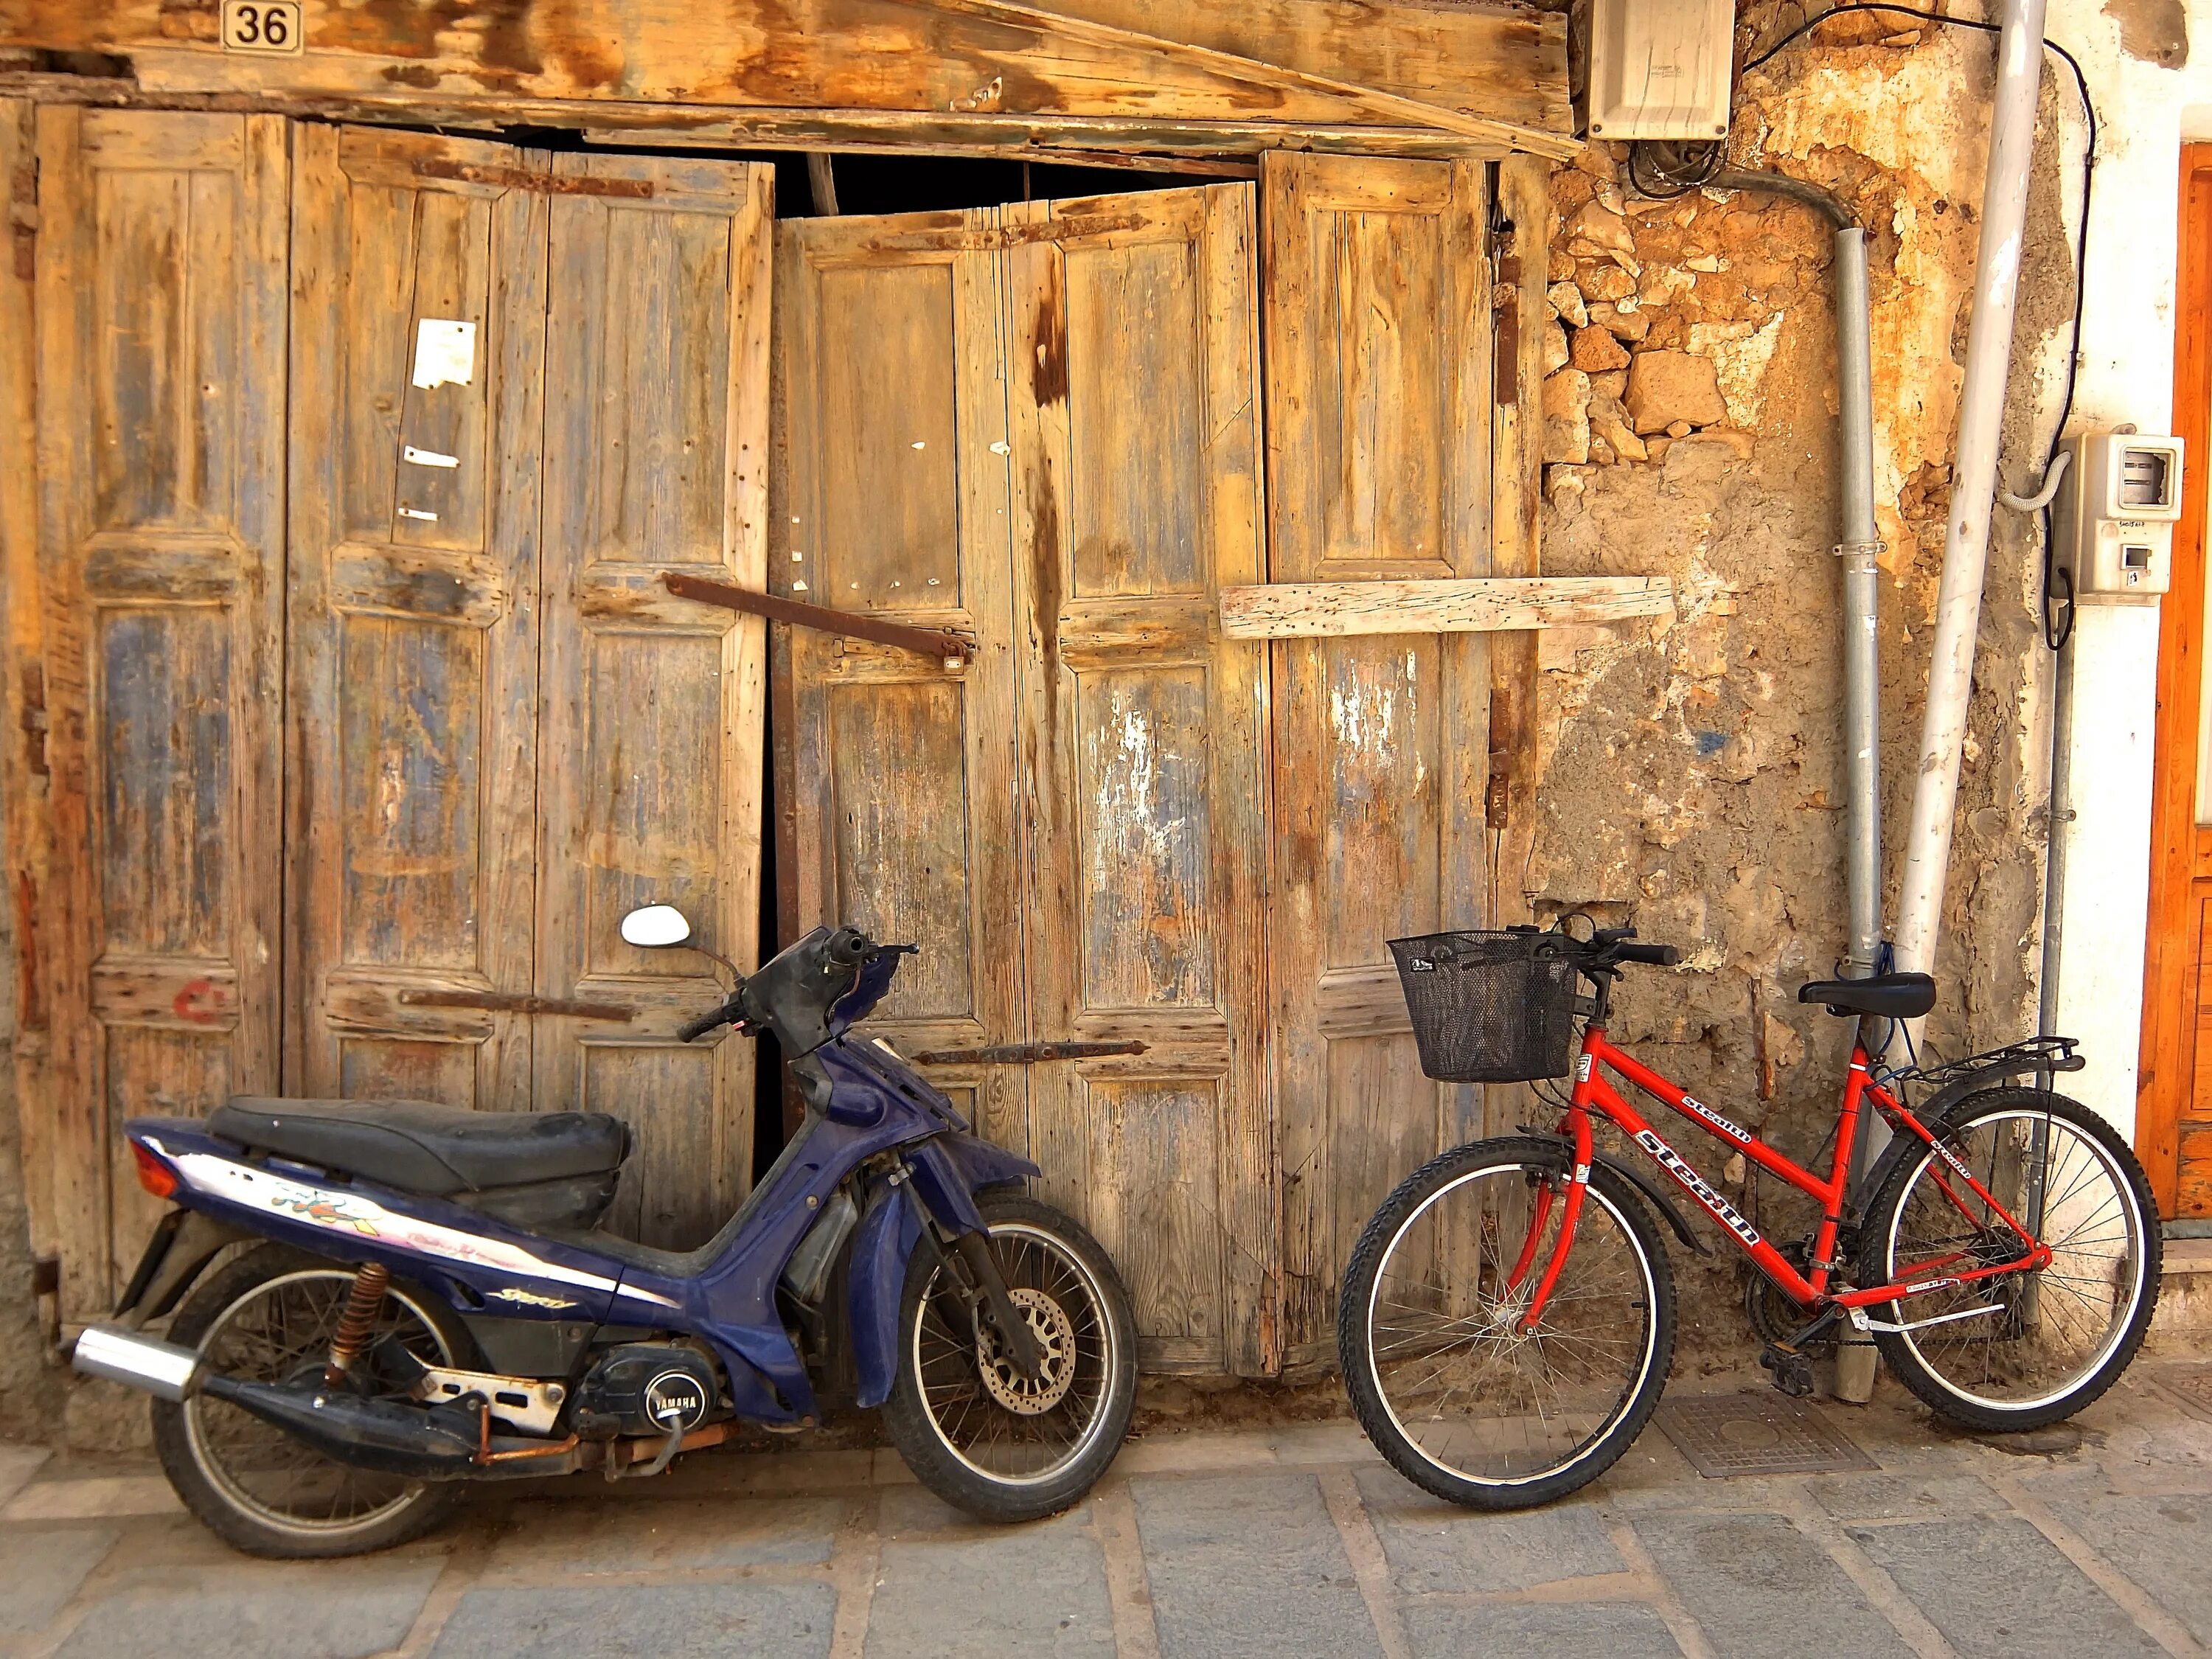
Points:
(651, 707)
(1377, 314)
(412, 712)
(161, 301)
(1133, 393)
(902, 773)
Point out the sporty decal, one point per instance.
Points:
(1692, 1104)
(1672, 1164)
(338, 1210)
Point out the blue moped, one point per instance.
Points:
(416, 1298)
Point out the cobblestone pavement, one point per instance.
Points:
(1276, 1542)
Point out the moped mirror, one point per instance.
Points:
(656, 926)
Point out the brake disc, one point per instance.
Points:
(1054, 1335)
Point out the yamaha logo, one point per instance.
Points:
(675, 1398)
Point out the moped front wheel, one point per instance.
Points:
(976, 1429)
(1463, 1397)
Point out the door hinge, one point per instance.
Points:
(515, 1002)
(1028, 1053)
(33, 720)
(550, 183)
(23, 219)
(949, 648)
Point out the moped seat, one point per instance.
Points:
(418, 1147)
(1886, 996)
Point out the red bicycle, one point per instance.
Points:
(1507, 1318)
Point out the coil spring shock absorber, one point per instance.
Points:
(362, 1303)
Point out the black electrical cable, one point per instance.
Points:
(2058, 623)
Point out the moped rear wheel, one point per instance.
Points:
(976, 1431)
(1462, 1400)
(269, 1316)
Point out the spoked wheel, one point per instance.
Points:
(1462, 1400)
(2018, 1350)
(974, 1428)
(269, 1316)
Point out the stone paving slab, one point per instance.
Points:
(949, 1588)
(1757, 1586)
(1998, 1589)
(658, 1621)
(17, 1465)
(1249, 1565)
(40, 1572)
(578, 1538)
(2162, 1543)
(1505, 1630)
(1432, 1546)
(94, 1497)
(331, 1610)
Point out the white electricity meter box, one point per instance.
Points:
(2111, 522)
(1657, 68)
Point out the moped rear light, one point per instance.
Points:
(156, 1176)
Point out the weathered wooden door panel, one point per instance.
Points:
(1136, 489)
(902, 784)
(655, 459)
(1377, 324)
(413, 614)
(161, 289)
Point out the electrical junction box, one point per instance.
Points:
(2112, 523)
(1658, 69)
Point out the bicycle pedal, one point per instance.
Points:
(1792, 1370)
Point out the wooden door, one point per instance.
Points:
(1377, 314)
(2173, 1078)
(901, 785)
(413, 616)
(1134, 387)
(651, 708)
(161, 290)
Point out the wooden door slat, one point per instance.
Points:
(651, 707)
(1379, 394)
(161, 297)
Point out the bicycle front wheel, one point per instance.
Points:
(1459, 1400)
(2018, 1350)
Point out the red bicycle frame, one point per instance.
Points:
(1595, 1094)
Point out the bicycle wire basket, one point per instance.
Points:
(1490, 1007)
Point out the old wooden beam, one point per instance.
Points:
(1290, 610)
(1094, 140)
(1490, 77)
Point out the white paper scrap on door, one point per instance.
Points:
(445, 352)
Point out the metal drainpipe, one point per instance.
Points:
(1973, 483)
(1856, 547)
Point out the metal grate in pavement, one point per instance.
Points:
(1757, 1432)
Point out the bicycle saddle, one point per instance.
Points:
(1886, 996)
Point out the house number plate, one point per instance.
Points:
(265, 26)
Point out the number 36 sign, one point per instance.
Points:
(271, 26)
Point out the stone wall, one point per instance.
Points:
(1690, 770)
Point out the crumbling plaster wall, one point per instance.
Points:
(1691, 769)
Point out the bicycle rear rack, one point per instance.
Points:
(2040, 1054)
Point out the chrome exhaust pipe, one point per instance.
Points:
(141, 1362)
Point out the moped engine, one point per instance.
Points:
(645, 1388)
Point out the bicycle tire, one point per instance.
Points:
(1356, 1343)
(2139, 1212)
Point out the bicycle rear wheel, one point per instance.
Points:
(1459, 1401)
(2020, 1350)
